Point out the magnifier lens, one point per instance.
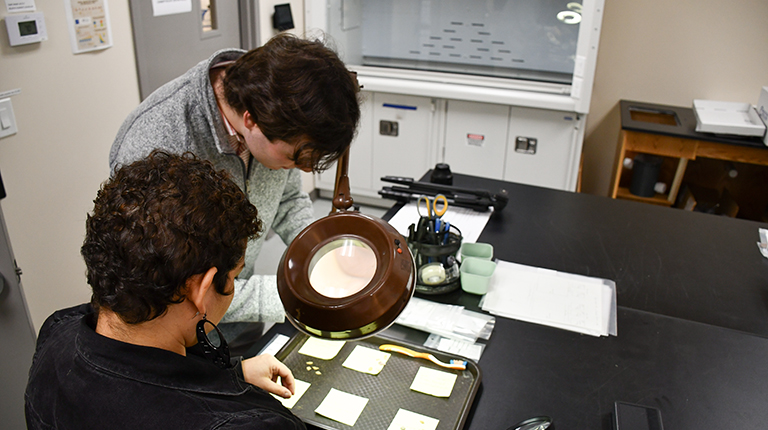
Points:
(342, 268)
(537, 423)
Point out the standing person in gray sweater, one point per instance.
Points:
(262, 115)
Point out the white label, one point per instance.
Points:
(578, 69)
(17, 6)
(475, 139)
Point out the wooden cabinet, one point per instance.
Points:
(669, 132)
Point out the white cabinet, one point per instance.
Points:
(517, 144)
(396, 138)
(403, 135)
(543, 148)
(476, 138)
(408, 151)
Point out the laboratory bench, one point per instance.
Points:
(731, 169)
(692, 294)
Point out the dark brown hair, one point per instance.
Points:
(157, 222)
(298, 91)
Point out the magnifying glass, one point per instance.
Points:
(347, 275)
(535, 423)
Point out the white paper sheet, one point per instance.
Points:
(571, 302)
(469, 221)
(170, 7)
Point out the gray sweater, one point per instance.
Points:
(181, 116)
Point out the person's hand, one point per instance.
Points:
(263, 371)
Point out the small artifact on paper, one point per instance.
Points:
(366, 360)
(321, 348)
(433, 382)
(301, 388)
(342, 407)
(407, 420)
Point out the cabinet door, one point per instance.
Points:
(476, 138)
(408, 151)
(554, 161)
(360, 159)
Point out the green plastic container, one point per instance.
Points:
(476, 250)
(476, 274)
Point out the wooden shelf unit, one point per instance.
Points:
(668, 131)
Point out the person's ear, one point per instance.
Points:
(198, 287)
(248, 121)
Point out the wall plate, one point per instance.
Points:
(7, 119)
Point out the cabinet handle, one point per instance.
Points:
(394, 106)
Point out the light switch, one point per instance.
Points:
(7, 119)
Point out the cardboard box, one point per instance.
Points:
(739, 119)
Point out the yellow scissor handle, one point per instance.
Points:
(427, 203)
(443, 202)
(436, 206)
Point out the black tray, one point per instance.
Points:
(387, 392)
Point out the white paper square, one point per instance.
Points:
(300, 389)
(342, 407)
(321, 348)
(433, 382)
(407, 420)
(366, 360)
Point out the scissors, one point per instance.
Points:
(436, 208)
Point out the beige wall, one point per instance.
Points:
(71, 106)
(68, 113)
(671, 52)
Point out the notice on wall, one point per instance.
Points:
(170, 7)
(20, 6)
(89, 27)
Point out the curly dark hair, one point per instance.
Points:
(300, 92)
(157, 222)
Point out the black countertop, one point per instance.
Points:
(690, 265)
(692, 291)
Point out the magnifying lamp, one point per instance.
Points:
(347, 275)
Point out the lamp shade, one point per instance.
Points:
(346, 276)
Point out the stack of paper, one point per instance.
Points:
(571, 302)
(451, 321)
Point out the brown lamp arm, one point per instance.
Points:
(342, 200)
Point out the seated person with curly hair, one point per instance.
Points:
(163, 246)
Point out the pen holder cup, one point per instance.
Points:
(476, 275)
(483, 251)
(438, 268)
